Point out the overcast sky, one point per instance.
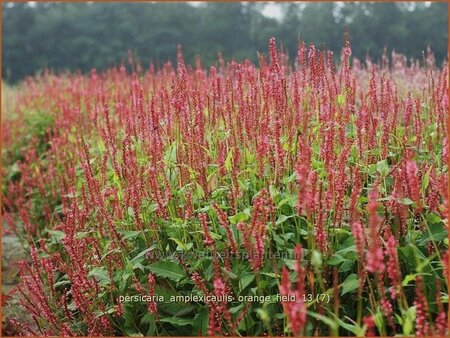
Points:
(272, 10)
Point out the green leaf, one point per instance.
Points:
(346, 266)
(215, 236)
(355, 329)
(62, 282)
(200, 322)
(316, 259)
(287, 236)
(182, 246)
(412, 256)
(199, 191)
(171, 305)
(58, 209)
(14, 169)
(101, 275)
(230, 274)
(273, 191)
(245, 185)
(169, 270)
(406, 201)
(409, 278)
(263, 315)
(239, 217)
(350, 284)
(437, 233)
(56, 235)
(347, 247)
(289, 179)
(290, 200)
(185, 311)
(249, 156)
(176, 321)
(71, 195)
(131, 332)
(129, 234)
(290, 263)
(170, 156)
(341, 99)
(126, 275)
(270, 274)
(130, 212)
(235, 309)
(409, 317)
(383, 167)
(373, 152)
(337, 259)
(82, 234)
(379, 321)
(331, 323)
(433, 218)
(149, 320)
(228, 160)
(141, 254)
(216, 194)
(246, 279)
(278, 239)
(279, 316)
(363, 199)
(426, 180)
(282, 219)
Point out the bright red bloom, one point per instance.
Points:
(295, 310)
(374, 258)
(420, 302)
(393, 267)
(209, 241)
(414, 184)
(151, 305)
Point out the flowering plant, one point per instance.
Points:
(117, 182)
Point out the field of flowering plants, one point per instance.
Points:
(293, 197)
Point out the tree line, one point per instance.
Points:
(82, 36)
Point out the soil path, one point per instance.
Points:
(13, 252)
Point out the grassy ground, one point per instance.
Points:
(9, 99)
(12, 250)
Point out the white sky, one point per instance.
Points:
(272, 10)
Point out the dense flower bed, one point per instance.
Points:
(291, 198)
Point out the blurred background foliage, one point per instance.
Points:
(82, 36)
